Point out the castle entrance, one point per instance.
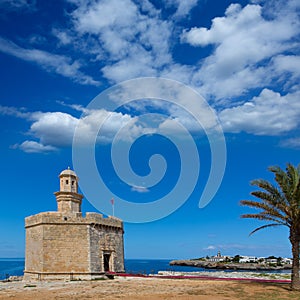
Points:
(106, 261)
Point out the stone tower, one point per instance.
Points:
(67, 245)
(68, 199)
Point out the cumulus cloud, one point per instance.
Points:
(53, 130)
(129, 50)
(35, 147)
(244, 43)
(50, 131)
(267, 114)
(59, 64)
(253, 47)
(57, 128)
(233, 28)
(100, 15)
(287, 64)
(112, 123)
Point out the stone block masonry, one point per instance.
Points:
(66, 245)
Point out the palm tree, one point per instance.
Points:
(280, 205)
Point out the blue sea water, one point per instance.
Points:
(11, 267)
(152, 266)
(15, 267)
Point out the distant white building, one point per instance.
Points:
(271, 260)
(248, 259)
(217, 258)
(287, 261)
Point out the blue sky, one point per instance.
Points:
(57, 56)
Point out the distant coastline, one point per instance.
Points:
(228, 266)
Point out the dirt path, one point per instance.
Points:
(148, 289)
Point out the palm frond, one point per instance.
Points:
(264, 226)
(276, 202)
(288, 181)
(271, 190)
(265, 217)
(279, 205)
(294, 177)
(270, 210)
(286, 222)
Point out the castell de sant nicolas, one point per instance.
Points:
(67, 245)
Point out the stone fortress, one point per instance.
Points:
(66, 245)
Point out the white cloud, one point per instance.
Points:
(76, 107)
(147, 7)
(126, 36)
(253, 47)
(107, 13)
(29, 5)
(35, 147)
(179, 72)
(291, 143)
(112, 123)
(183, 7)
(131, 67)
(63, 36)
(267, 114)
(287, 63)
(211, 247)
(233, 247)
(13, 111)
(57, 128)
(139, 189)
(244, 27)
(51, 62)
(245, 42)
(53, 128)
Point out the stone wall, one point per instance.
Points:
(106, 240)
(66, 248)
(69, 246)
(34, 249)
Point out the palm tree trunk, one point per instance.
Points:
(295, 240)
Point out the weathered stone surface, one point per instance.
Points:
(66, 245)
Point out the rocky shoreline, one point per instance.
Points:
(228, 266)
(230, 275)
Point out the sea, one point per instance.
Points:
(15, 267)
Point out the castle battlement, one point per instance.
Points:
(72, 218)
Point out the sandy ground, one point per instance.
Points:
(148, 289)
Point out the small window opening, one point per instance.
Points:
(72, 182)
(67, 181)
(65, 218)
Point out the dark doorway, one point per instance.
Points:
(106, 257)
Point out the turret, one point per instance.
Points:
(68, 199)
